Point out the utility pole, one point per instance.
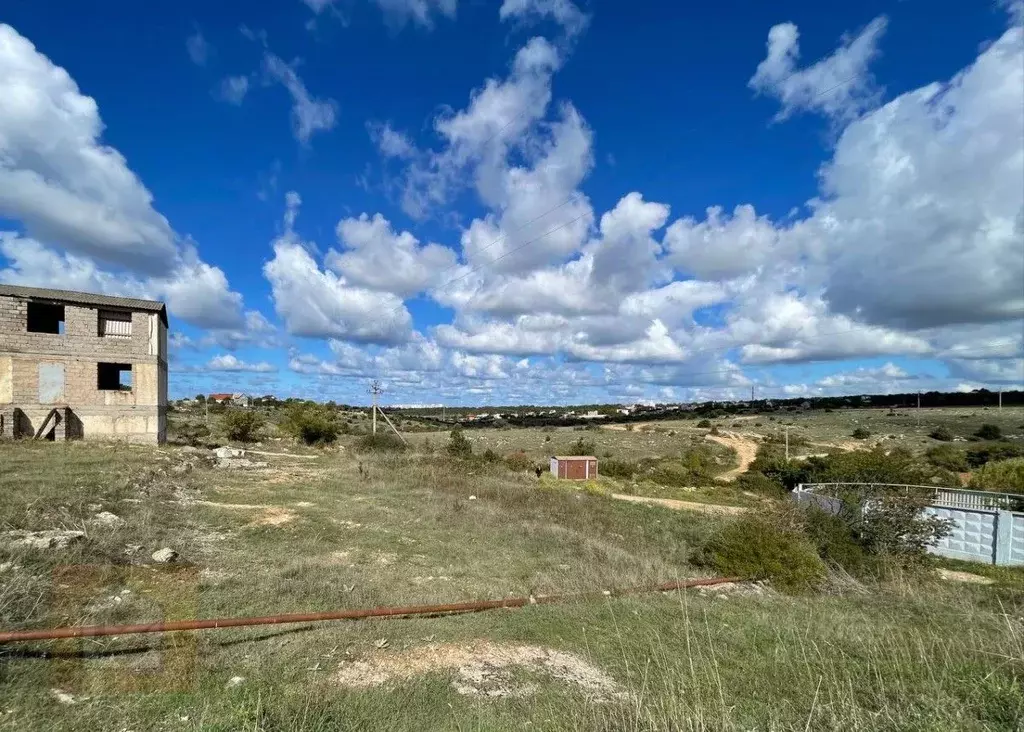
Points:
(376, 390)
(918, 409)
(1000, 400)
(787, 444)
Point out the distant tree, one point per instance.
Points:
(458, 446)
(201, 398)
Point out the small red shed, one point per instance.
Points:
(574, 467)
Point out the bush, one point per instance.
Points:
(948, 457)
(490, 456)
(458, 446)
(756, 547)
(989, 432)
(380, 442)
(618, 469)
(942, 434)
(890, 520)
(978, 456)
(311, 423)
(714, 431)
(760, 484)
(861, 433)
(871, 466)
(704, 424)
(192, 433)
(835, 540)
(582, 447)
(547, 438)
(1004, 476)
(518, 461)
(242, 425)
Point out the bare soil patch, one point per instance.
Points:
(952, 575)
(682, 505)
(481, 668)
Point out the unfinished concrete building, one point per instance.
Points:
(79, 365)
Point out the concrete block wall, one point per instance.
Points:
(80, 337)
(137, 415)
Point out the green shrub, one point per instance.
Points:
(1003, 476)
(458, 446)
(489, 456)
(758, 547)
(547, 438)
(861, 433)
(380, 442)
(715, 431)
(760, 484)
(942, 434)
(242, 425)
(948, 457)
(978, 456)
(191, 433)
(518, 461)
(771, 462)
(618, 469)
(872, 466)
(704, 424)
(989, 432)
(582, 447)
(311, 423)
(835, 541)
(890, 520)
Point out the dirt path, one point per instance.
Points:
(746, 451)
(682, 505)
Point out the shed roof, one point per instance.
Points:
(574, 457)
(86, 298)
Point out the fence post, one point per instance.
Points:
(1003, 537)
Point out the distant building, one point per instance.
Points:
(237, 400)
(574, 467)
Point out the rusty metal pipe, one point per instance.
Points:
(89, 631)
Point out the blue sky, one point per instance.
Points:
(494, 202)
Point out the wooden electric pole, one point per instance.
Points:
(376, 390)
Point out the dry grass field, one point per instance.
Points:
(343, 529)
